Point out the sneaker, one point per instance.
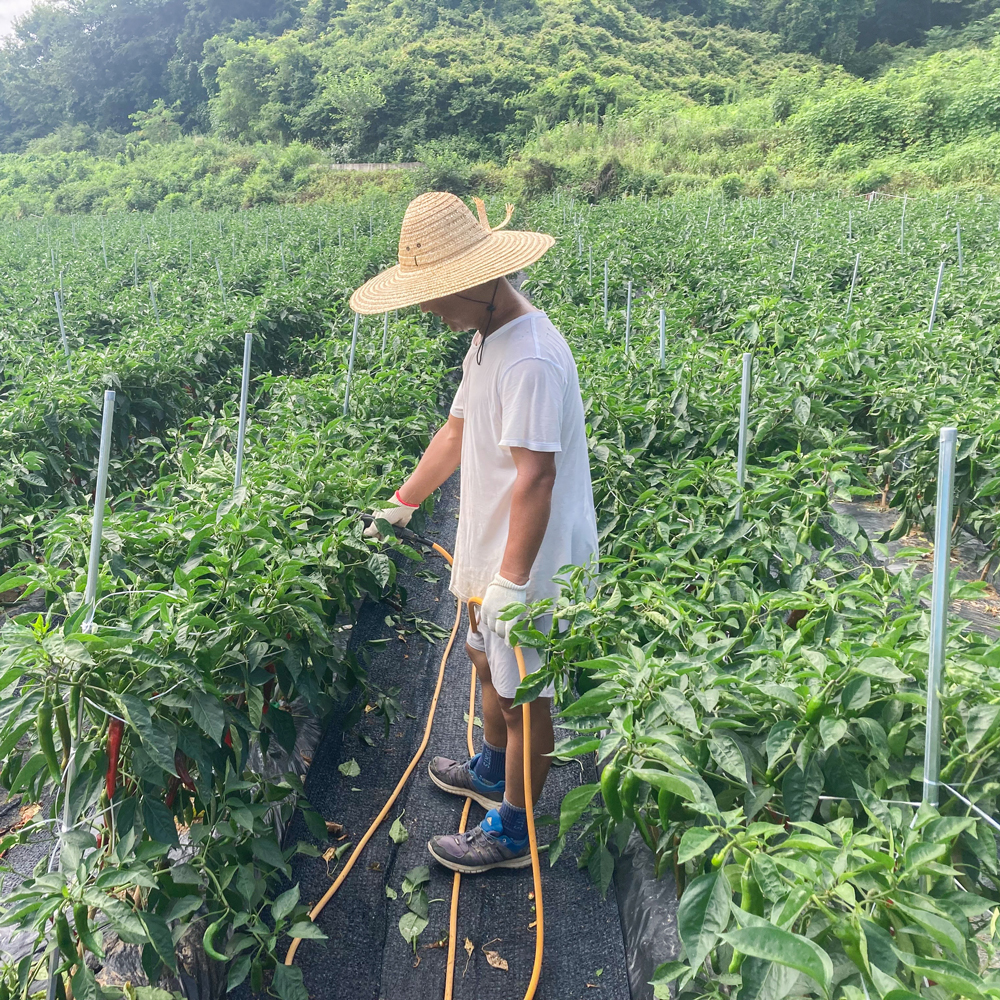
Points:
(483, 847)
(461, 779)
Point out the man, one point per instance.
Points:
(516, 427)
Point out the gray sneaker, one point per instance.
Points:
(460, 779)
(478, 850)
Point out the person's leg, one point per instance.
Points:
(494, 724)
(542, 742)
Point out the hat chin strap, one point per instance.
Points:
(490, 309)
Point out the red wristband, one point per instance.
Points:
(402, 502)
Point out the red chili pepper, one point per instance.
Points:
(115, 731)
(172, 785)
(227, 739)
(180, 763)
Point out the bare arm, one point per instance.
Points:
(529, 511)
(437, 463)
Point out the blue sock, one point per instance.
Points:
(492, 763)
(514, 820)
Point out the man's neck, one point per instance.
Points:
(510, 305)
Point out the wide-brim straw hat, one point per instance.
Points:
(443, 249)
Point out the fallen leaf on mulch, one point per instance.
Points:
(493, 957)
(333, 827)
(469, 949)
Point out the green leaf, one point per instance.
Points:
(980, 721)
(159, 743)
(411, 926)
(306, 930)
(831, 730)
(287, 982)
(763, 980)
(696, 840)
(285, 903)
(729, 755)
(679, 709)
(266, 849)
(950, 975)
(574, 802)
(775, 945)
(596, 701)
(882, 669)
(159, 822)
(703, 914)
(397, 832)
(779, 739)
(350, 768)
(857, 693)
(208, 714)
(159, 936)
(84, 983)
(239, 969)
(381, 567)
(800, 791)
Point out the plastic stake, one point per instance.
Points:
(939, 612)
(222, 287)
(902, 223)
(854, 278)
(135, 270)
(100, 495)
(385, 333)
(628, 315)
(795, 257)
(244, 396)
(741, 446)
(590, 268)
(605, 292)
(62, 332)
(663, 337)
(937, 292)
(958, 239)
(152, 302)
(350, 362)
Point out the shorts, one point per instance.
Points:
(503, 662)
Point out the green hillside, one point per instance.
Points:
(123, 106)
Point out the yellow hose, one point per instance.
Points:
(536, 872)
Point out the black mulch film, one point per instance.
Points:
(366, 957)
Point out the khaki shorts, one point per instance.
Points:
(503, 662)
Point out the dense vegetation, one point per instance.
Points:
(753, 686)
(123, 106)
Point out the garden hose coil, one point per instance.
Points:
(529, 805)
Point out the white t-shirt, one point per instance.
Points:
(525, 393)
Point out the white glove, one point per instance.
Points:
(398, 515)
(499, 594)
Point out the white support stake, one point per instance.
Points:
(590, 267)
(854, 278)
(100, 495)
(795, 257)
(152, 302)
(350, 362)
(605, 293)
(939, 612)
(902, 223)
(62, 332)
(937, 292)
(241, 437)
(741, 446)
(628, 316)
(663, 337)
(385, 333)
(222, 287)
(958, 240)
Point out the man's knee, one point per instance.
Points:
(479, 661)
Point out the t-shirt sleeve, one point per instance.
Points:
(531, 402)
(458, 403)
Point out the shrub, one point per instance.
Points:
(766, 179)
(870, 180)
(731, 186)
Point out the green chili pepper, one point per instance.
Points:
(46, 741)
(610, 778)
(64, 937)
(814, 709)
(81, 918)
(210, 933)
(629, 793)
(62, 721)
(664, 802)
(74, 704)
(643, 827)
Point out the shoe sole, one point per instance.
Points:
(457, 866)
(466, 793)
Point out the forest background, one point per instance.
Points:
(116, 105)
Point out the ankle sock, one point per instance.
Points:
(492, 763)
(514, 820)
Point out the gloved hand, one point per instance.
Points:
(397, 515)
(499, 594)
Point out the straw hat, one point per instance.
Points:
(442, 250)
